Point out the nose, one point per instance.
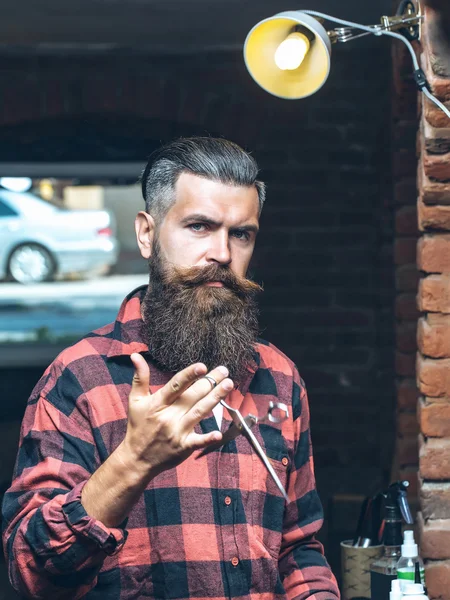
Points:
(219, 248)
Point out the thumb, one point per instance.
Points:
(140, 385)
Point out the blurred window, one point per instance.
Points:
(6, 210)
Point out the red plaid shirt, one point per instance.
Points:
(213, 527)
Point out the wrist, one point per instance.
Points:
(134, 468)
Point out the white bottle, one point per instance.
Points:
(414, 591)
(407, 563)
(396, 590)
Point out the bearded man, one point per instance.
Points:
(122, 488)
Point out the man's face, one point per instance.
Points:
(209, 223)
(199, 306)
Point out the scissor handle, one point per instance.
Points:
(279, 406)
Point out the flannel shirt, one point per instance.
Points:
(216, 526)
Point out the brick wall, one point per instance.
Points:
(433, 361)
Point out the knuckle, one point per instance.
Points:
(196, 413)
(175, 385)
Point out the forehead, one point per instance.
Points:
(215, 199)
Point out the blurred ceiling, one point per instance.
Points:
(151, 26)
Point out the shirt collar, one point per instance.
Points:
(127, 332)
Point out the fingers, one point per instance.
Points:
(204, 386)
(181, 382)
(203, 406)
(198, 441)
(140, 385)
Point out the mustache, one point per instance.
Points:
(195, 276)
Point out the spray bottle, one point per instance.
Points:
(409, 560)
(396, 510)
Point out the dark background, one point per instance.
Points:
(324, 252)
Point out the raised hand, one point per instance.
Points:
(160, 431)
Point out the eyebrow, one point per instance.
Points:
(198, 217)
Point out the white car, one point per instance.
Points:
(39, 241)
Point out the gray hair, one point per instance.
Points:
(211, 158)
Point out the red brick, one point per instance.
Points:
(440, 86)
(432, 192)
(407, 394)
(434, 115)
(406, 221)
(436, 166)
(433, 216)
(434, 458)
(407, 450)
(433, 335)
(406, 337)
(407, 278)
(434, 294)
(436, 139)
(437, 578)
(434, 58)
(406, 307)
(405, 364)
(434, 417)
(434, 537)
(433, 253)
(435, 499)
(405, 251)
(407, 423)
(433, 376)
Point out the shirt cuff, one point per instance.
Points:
(110, 540)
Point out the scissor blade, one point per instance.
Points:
(262, 455)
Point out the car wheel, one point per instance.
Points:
(31, 263)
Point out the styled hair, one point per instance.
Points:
(212, 158)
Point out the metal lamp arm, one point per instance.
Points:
(419, 75)
(345, 34)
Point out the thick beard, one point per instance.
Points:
(186, 322)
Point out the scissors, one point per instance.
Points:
(276, 413)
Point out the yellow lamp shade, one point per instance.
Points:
(263, 44)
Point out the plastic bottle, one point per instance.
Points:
(384, 570)
(406, 566)
(414, 591)
(396, 590)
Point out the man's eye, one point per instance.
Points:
(197, 226)
(241, 235)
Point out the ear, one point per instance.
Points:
(144, 225)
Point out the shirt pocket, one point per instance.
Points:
(268, 503)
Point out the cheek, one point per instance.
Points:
(182, 250)
(240, 262)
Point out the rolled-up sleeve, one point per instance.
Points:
(54, 549)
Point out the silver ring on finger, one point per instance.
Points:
(211, 380)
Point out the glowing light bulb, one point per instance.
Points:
(292, 51)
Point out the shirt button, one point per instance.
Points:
(227, 500)
(235, 561)
(285, 461)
